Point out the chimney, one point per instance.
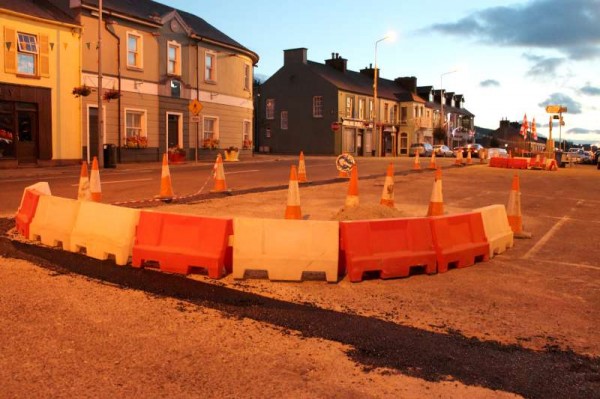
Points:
(408, 82)
(370, 71)
(337, 62)
(294, 56)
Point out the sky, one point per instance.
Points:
(511, 57)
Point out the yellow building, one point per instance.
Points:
(40, 65)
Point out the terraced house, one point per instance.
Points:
(40, 63)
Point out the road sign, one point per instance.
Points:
(195, 107)
(344, 162)
(555, 109)
(195, 118)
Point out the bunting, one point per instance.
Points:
(524, 127)
(533, 130)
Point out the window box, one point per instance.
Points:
(210, 143)
(136, 142)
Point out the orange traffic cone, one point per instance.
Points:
(292, 210)
(352, 197)
(436, 204)
(166, 190)
(95, 187)
(482, 156)
(513, 210)
(432, 164)
(459, 158)
(302, 169)
(343, 175)
(417, 164)
(219, 175)
(387, 197)
(469, 159)
(83, 192)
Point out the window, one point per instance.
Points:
(175, 88)
(210, 128)
(134, 50)
(135, 123)
(349, 107)
(270, 108)
(361, 108)
(317, 107)
(268, 133)
(210, 67)
(173, 58)
(403, 114)
(371, 115)
(284, 120)
(246, 134)
(247, 77)
(385, 112)
(27, 54)
(393, 112)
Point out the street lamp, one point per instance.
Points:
(377, 138)
(442, 104)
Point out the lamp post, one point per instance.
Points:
(377, 138)
(442, 115)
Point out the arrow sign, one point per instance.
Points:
(555, 109)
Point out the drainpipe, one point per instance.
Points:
(197, 97)
(110, 29)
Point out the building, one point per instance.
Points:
(508, 135)
(40, 64)
(328, 109)
(155, 61)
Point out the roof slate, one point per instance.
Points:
(39, 9)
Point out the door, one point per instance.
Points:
(173, 131)
(27, 136)
(93, 132)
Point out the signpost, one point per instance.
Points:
(195, 107)
(555, 109)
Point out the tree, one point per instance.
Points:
(439, 135)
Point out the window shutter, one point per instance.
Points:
(44, 54)
(10, 54)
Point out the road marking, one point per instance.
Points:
(242, 171)
(545, 238)
(584, 266)
(116, 181)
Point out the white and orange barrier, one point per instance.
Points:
(54, 221)
(285, 248)
(497, 229)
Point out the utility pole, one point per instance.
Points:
(100, 116)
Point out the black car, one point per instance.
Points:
(473, 148)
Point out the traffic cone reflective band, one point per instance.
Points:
(469, 159)
(513, 210)
(459, 158)
(292, 210)
(387, 197)
(95, 188)
(417, 164)
(432, 164)
(436, 204)
(83, 193)
(352, 197)
(302, 169)
(166, 189)
(219, 176)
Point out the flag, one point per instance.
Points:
(533, 130)
(524, 127)
(471, 133)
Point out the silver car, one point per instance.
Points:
(442, 151)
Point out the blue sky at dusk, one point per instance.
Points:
(511, 58)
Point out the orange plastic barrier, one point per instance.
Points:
(391, 246)
(26, 211)
(181, 242)
(497, 162)
(517, 163)
(459, 240)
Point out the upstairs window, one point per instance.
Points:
(317, 107)
(173, 58)
(385, 112)
(284, 120)
(247, 77)
(270, 109)
(210, 67)
(27, 54)
(349, 107)
(361, 109)
(134, 50)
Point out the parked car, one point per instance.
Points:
(473, 148)
(497, 152)
(576, 155)
(424, 149)
(442, 151)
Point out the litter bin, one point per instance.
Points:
(558, 157)
(110, 156)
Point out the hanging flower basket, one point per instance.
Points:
(82, 91)
(111, 94)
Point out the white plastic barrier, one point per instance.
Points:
(103, 230)
(54, 220)
(42, 187)
(285, 248)
(496, 227)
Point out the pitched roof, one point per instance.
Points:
(39, 9)
(357, 82)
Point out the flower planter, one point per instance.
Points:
(232, 155)
(176, 158)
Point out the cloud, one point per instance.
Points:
(590, 90)
(582, 131)
(489, 83)
(543, 66)
(571, 27)
(573, 107)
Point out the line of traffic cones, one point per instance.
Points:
(469, 158)
(432, 163)
(513, 210)
(459, 158)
